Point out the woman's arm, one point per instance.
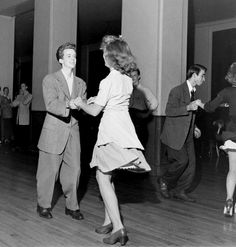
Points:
(210, 106)
(91, 109)
(150, 99)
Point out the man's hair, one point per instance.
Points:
(196, 68)
(60, 50)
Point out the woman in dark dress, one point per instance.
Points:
(6, 113)
(228, 96)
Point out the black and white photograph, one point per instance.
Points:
(117, 123)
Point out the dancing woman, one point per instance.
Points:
(228, 96)
(117, 146)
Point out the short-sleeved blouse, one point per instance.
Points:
(116, 125)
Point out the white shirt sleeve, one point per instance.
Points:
(103, 93)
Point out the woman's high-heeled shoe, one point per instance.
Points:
(229, 208)
(104, 229)
(118, 236)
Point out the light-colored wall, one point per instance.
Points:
(140, 29)
(157, 34)
(173, 48)
(55, 23)
(156, 31)
(7, 28)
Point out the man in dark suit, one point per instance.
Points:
(178, 132)
(59, 142)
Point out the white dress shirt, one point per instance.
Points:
(69, 80)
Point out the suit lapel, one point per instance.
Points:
(187, 99)
(186, 92)
(63, 84)
(77, 89)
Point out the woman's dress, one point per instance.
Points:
(6, 118)
(117, 143)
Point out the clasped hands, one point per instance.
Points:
(76, 103)
(193, 106)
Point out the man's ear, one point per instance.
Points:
(194, 75)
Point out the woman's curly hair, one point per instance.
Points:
(231, 74)
(118, 54)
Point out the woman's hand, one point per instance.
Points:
(199, 103)
(91, 100)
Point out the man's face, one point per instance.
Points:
(200, 78)
(6, 91)
(69, 59)
(23, 87)
(135, 77)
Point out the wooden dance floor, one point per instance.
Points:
(150, 220)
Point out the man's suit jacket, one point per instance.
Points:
(59, 120)
(178, 120)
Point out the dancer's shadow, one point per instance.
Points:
(135, 188)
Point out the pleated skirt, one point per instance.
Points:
(229, 146)
(111, 156)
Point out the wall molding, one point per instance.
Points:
(203, 49)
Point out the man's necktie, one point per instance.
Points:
(192, 96)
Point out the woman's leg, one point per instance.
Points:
(107, 219)
(107, 190)
(231, 176)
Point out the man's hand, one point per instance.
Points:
(197, 132)
(72, 104)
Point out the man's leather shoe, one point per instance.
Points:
(75, 214)
(183, 197)
(164, 189)
(44, 212)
